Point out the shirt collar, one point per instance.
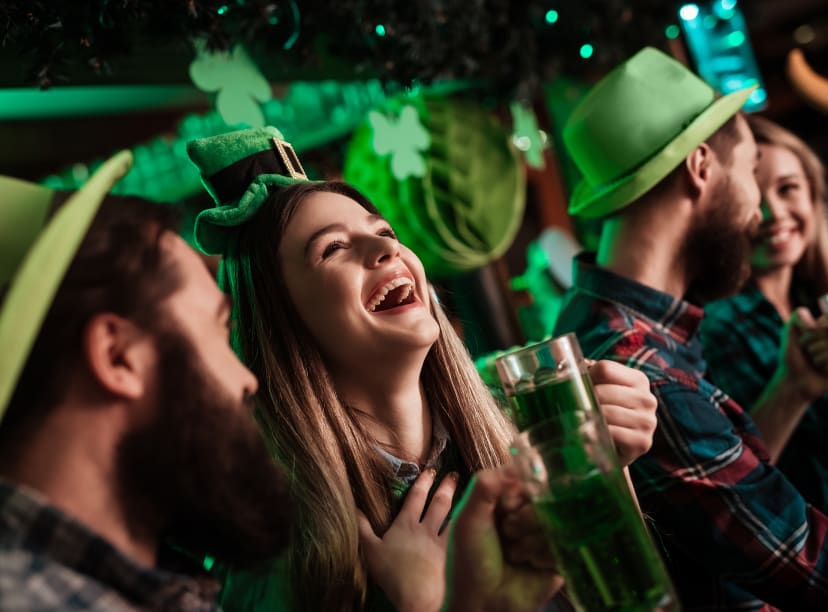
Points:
(408, 470)
(676, 317)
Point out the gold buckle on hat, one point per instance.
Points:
(289, 157)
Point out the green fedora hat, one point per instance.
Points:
(37, 245)
(239, 169)
(636, 125)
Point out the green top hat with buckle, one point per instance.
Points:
(238, 170)
(37, 245)
(636, 125)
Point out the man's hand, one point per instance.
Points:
(628, 405)
(495, 560)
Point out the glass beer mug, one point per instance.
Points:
(578, 489)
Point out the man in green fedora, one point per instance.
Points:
(669, 167)
(126, 414)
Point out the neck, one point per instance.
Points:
(646, 248)
(393, 405)
(70, 460)
(775, 285)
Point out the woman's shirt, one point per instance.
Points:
(742, 336)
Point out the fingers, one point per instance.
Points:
(630, 413)
(629, 443)
(415, 501)
(802, 318)
(555, 585)
(524, 541)
(640, 402)
(477, 508)
(611, 372)
(440, 505)
(618, 414)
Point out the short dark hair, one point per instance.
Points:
(118, 268)
(721, 141)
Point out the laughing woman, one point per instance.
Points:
(365, 389)
(743, 335)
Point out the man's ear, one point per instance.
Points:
(699, 165)
(119, 355)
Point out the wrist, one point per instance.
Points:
(791, 388)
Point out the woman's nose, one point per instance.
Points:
(771, 209)
(382, 249)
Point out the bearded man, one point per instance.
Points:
(670, 168)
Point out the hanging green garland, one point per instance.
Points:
(510, 45)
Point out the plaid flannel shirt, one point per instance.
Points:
(49, 561)
(735, 533)
(742, 336)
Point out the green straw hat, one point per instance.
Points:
(636, 125)
(238, 170)
(37, 245)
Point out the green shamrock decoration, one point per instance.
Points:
(404, 139)
(526, 135)
(240, 85)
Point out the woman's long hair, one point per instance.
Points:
(811, 271)
(331, 457)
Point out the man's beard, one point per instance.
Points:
(200, 471)
(716, 250)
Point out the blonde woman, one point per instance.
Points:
(365, 389)
(744, 335)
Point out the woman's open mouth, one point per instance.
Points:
(395, 293)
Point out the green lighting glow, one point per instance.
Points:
(551, 16)
(223, 9)
(380, 30)
(735, 39)
(672, 31)
(587, 51)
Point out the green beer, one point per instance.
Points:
(549, 399)
(602, 546)
(593, 524)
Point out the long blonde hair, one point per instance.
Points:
(331, 457)
(812, 268)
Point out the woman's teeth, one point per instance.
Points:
(779, 237)
(382, 294)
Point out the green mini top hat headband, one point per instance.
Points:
(238, 170)
(636, 125)
(37, 245)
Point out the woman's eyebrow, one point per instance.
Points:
(333, 227)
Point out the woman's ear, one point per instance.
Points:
(120, 356)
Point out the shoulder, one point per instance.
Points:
(33, 582)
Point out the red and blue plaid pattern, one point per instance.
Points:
(735, 533)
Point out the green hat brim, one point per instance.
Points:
(37, 278)
(214, 227)
(593, 201)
